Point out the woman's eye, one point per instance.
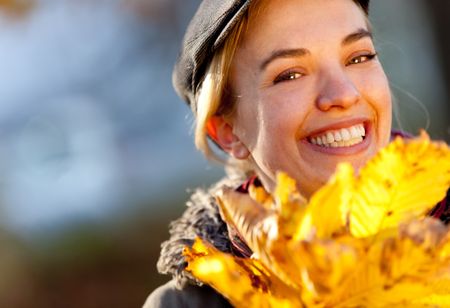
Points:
(287, 76)
(362, 58)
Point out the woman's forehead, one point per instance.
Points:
(287, 22)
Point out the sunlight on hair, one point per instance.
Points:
(205, 99)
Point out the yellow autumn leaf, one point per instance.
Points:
(259, 228)
(326, 212)
(393, 265)
(361, 240)
(290, 206)
(245, 282)
(405, 180)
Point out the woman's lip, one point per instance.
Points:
(336, 126)
(350, 150)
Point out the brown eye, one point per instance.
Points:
(287, 76)
(362, 58)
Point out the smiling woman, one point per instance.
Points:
(308, 75)
(293, 86)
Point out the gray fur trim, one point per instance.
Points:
(201, 219)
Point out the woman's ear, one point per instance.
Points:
(222, 133)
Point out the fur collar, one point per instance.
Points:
(200, 219)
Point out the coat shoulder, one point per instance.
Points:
(170, 295)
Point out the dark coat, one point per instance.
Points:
(170, 295)
(201, 219)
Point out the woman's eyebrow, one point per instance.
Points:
(355, 36)
(283, 53)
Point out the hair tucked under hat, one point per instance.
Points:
(208, 29)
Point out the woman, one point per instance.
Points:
(292, 85)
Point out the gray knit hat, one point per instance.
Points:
(205, 34)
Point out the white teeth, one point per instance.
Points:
(330, 137)
(337, 136)
(354, 132)
(345, 134)
(363, 130)
(343, 137)
(318, 141)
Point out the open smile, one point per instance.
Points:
(347, 138)
(343, 137)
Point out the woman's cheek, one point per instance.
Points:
(380, 99)
(373, 87)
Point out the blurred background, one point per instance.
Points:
(96, 151)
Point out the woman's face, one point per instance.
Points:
(310, 91)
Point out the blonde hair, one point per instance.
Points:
(215, 96)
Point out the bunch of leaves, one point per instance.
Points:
(360, 241)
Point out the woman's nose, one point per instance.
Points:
(337, 90)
